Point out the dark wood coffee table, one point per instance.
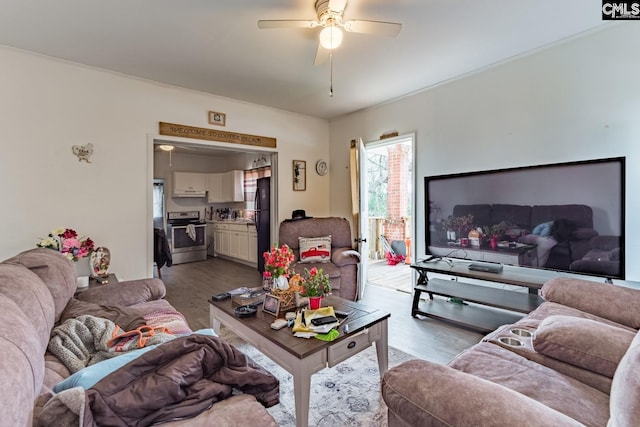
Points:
(303, 357)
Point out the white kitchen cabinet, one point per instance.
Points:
(252, 238)
(225, 187)
(221, 238)
(211, 238)
(233, 186)
(236, 241)
(214, 188)
(189, 184)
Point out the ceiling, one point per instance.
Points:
(215, 46)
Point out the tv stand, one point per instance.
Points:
(479, 315)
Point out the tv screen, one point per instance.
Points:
(565, 217)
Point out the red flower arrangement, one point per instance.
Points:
(277, 261)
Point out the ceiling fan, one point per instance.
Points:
(330, 19)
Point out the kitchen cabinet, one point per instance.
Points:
(236, 241)
(221, 239)
(211, 238)
(233, 186)
(189, 184)
(252, 238)
(225, 187)
(214, 188)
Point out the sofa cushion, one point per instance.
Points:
(426, 394)
(125, 293)
(315, 249)
(55, 271)
(545, 385)
(582, 342)
(625, 389)
(596, 298)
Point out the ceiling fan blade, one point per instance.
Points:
(337, 6)
(286, 23)
(389, 29)
(322, 55)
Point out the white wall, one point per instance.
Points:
(47, 106)
(573, 101)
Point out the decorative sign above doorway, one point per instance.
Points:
(172, 129)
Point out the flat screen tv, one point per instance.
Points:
(566, 217)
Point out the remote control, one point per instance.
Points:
(221, 297)
(279, 324)
(341, 314)
(323, 320)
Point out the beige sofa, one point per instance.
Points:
(579, 366)
(36, 293)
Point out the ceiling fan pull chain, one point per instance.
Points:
(331, 73)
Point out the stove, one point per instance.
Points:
(187, 236)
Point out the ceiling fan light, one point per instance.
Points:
(330, 37)
(166, 147)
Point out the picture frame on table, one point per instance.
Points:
(271, 305)
(299, 175)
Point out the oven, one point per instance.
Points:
(187, 237)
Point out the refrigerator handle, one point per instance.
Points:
(256, 210)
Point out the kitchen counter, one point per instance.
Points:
(232, 221)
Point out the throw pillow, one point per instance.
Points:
(543, 229)
(585, 343)
(315, 249)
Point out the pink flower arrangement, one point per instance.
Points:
(277, 261)
(66, 241)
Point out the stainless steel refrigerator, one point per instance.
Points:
(263, 219)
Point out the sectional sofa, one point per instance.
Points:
(37, 290)
(571, 362)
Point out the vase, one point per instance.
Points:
(280, 282)
(493, 242)
(99, 260)
(314, 303)
(82, 267)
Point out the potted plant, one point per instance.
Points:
(494, 232)
(457, 226)
(315, 284)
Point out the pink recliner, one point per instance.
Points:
(341, 266)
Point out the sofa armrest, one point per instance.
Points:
(612, 302)
(344, 256)
(422, 393)
(125, 293)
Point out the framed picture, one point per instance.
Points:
(271, 304)
(299, 175)
(216, 118)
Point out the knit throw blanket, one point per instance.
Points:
(85, 340)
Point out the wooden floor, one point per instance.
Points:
(190, 285)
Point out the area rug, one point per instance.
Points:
(346, 395)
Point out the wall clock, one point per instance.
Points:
(321, 167)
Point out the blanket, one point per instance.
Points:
(86, 340)
(179, 379)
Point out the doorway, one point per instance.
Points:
(391, 212)
(202, 157)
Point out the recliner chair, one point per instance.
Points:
(341, 266)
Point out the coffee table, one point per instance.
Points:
(303, 357)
